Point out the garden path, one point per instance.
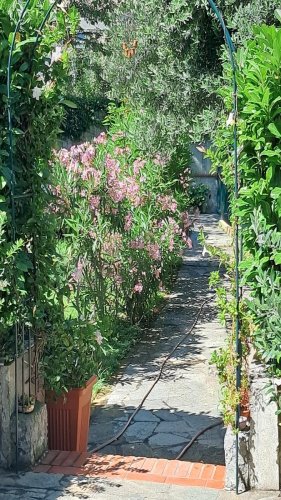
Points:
(186, 399)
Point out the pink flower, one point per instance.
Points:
(186, 222)
(159, 160)
(87, 173)
(187, 240)
(101, 139)
(88, 156)
(138, 165)
(153, 250)
(138, 287)
(137, 244)
(132, 188)
(167, 203)
(117, 191)
(171, 245)
(128, 222)
(94, 202)
(122, 151)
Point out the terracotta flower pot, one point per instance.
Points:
(69, 418)
(245, 412)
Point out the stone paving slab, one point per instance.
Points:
(188, 392)
(74, 488)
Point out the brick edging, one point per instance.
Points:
(133, 468)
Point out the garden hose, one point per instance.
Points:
(120, 433)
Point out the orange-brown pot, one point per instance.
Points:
(69, 418)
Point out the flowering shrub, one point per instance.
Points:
(121, 230)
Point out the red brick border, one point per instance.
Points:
(133, 468)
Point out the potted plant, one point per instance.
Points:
(26, 404)
(69, 371)
(245, 403)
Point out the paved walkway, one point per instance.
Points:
(42, 486)
(183, 402)
(186, 399)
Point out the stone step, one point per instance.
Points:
(133, 468)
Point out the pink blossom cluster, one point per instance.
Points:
(94, 202)
(122, 151)
(167, 203)
(128, 221)
(186, 221)
(184, 178)
(154, 251)
(78, 159)
(112, 244)
(137, 244)
(174, 226)
(138, 165)
(121, 188)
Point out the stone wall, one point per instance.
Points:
(7, 409)
(264, 448)
(32, 428)
(259, 448)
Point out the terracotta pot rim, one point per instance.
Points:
(90, 381)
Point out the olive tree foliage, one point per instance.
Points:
(173, 73)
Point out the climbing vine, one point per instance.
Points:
(258, 208)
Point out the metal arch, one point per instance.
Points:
(237, 237)
(13, 181)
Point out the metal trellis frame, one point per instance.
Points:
(18, 328)
(237, 235)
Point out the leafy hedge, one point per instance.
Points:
(37, 76)
(259, 205)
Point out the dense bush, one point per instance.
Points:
(121, 233)
(259, 206)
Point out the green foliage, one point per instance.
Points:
(225, 359)
(37, 76)
(173, 74)
(197, 194)
(87, 91)
(258, 207)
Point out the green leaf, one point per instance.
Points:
(277, 14)
(277, 258)
(69, 104)
(24, 67)
(3, 183)
(274, 130)
(24, 42)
